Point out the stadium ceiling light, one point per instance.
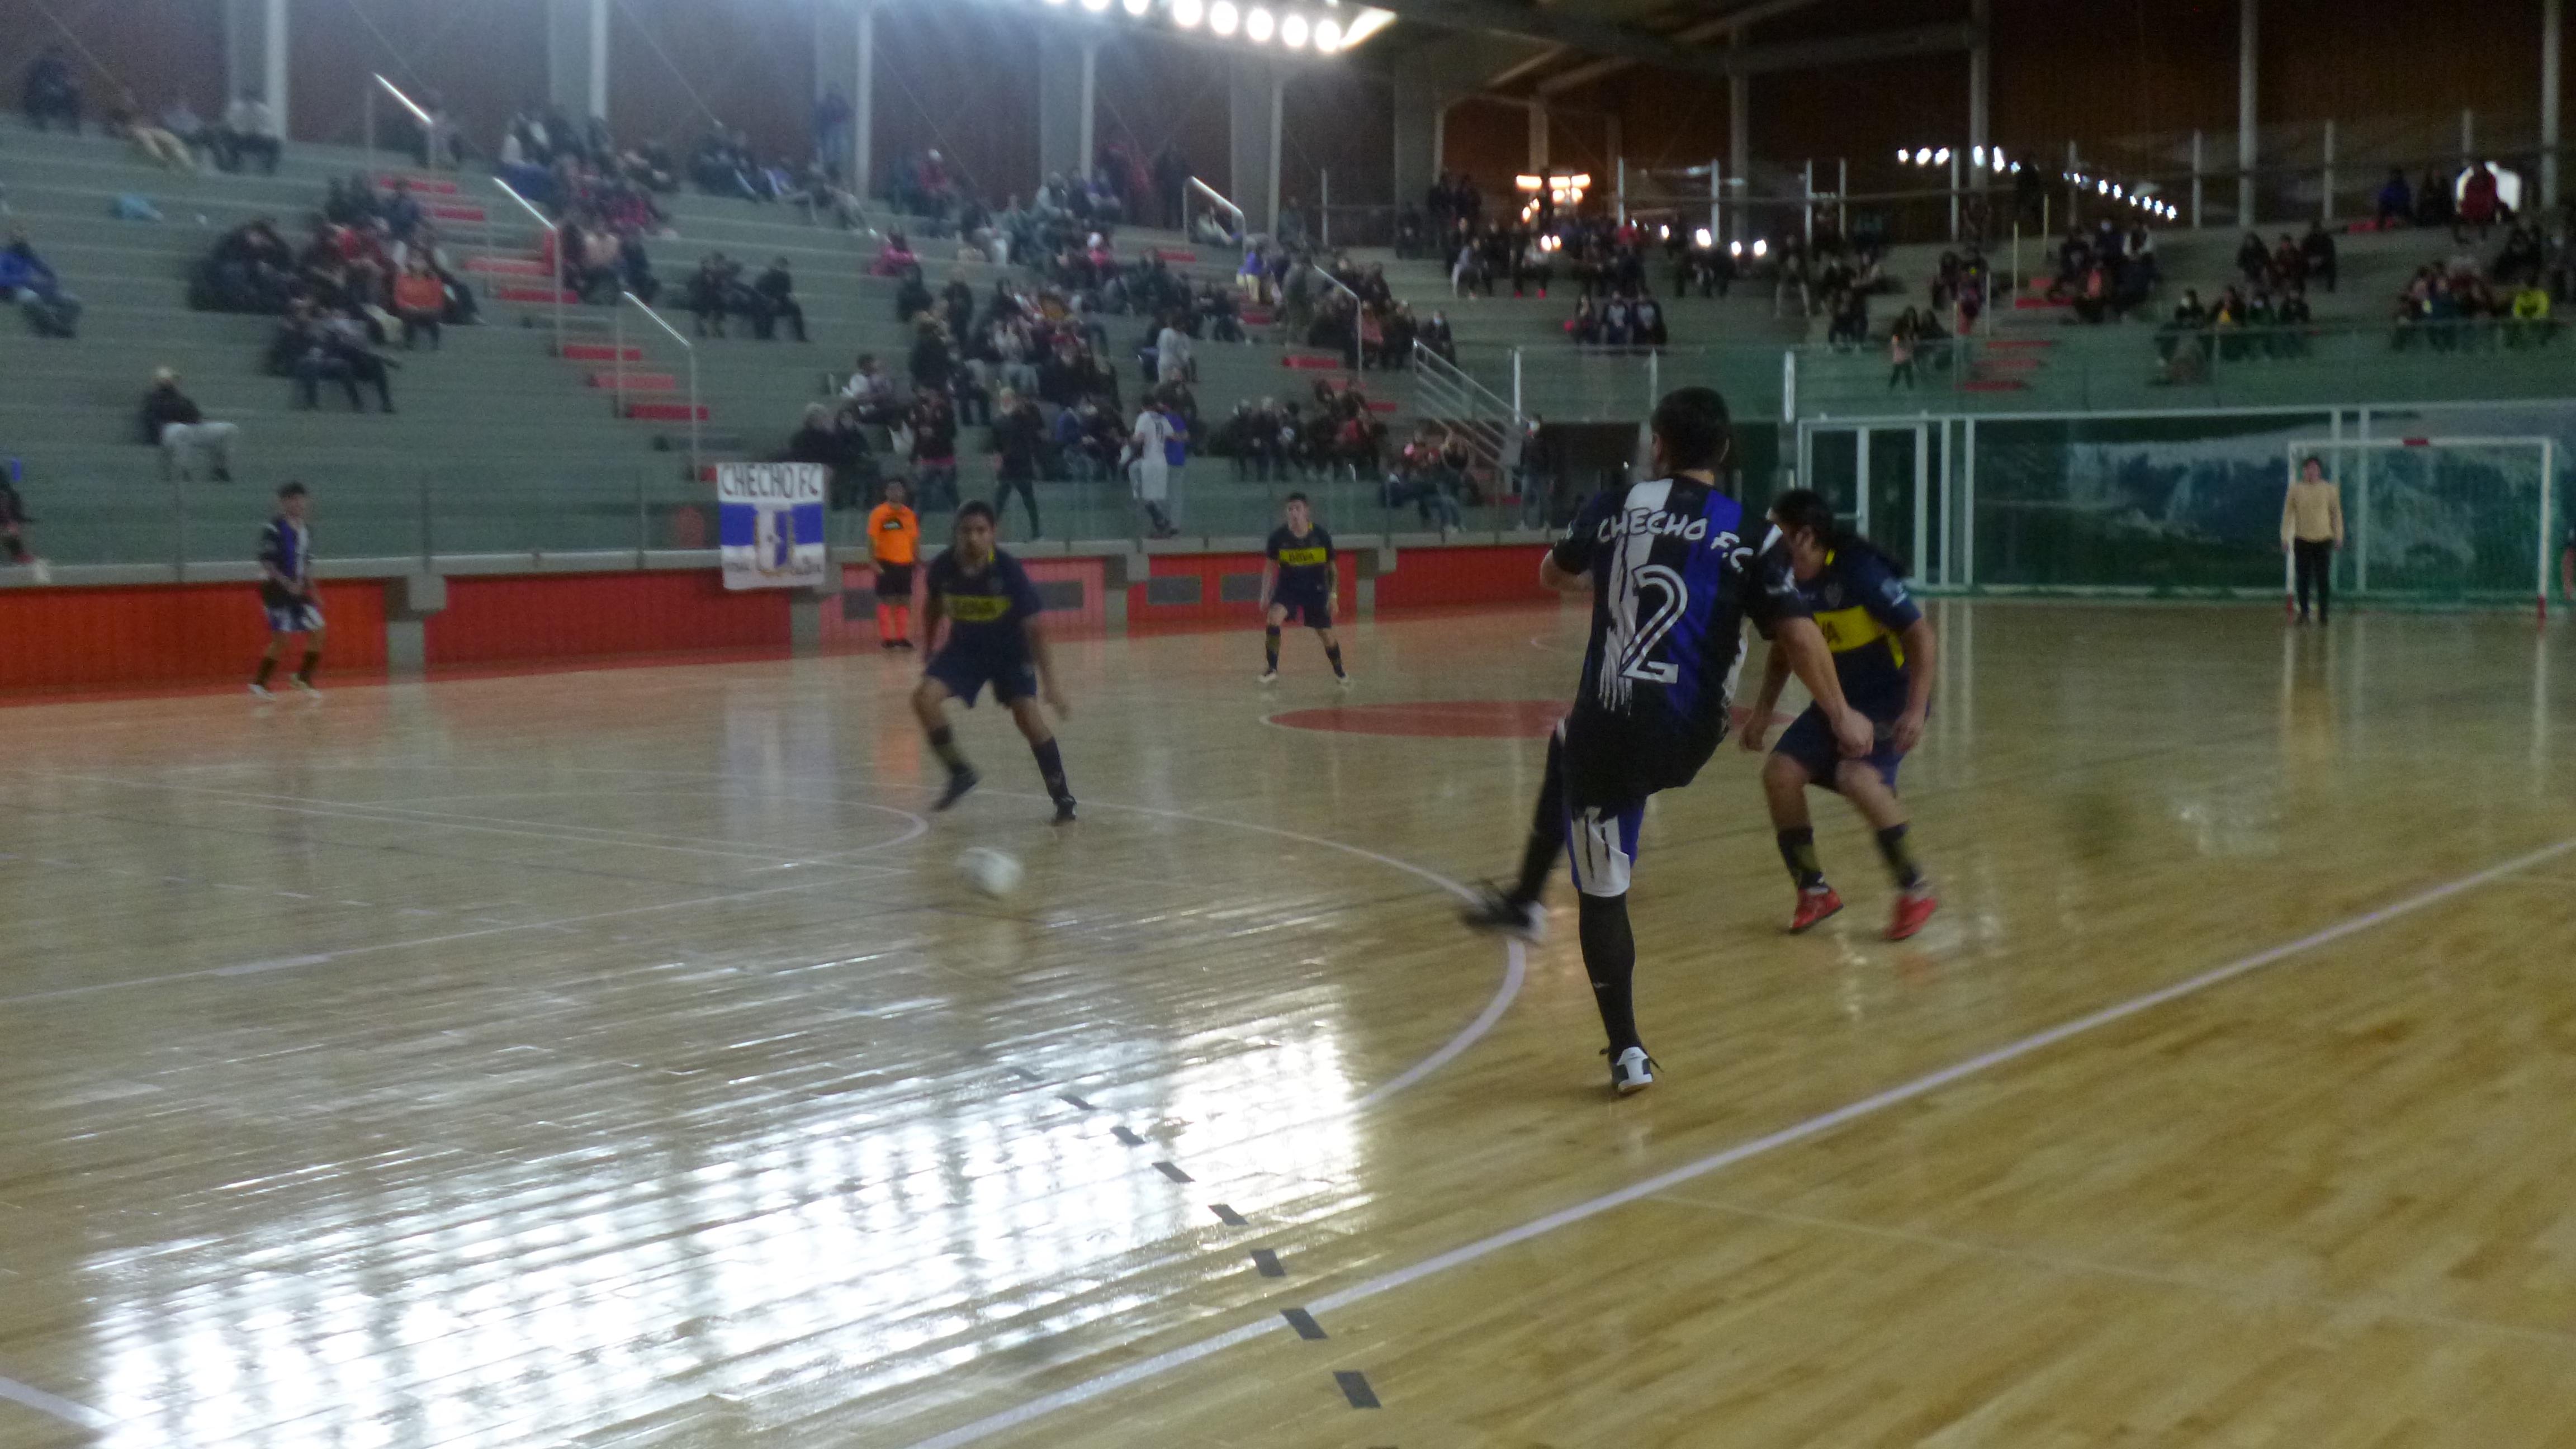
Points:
(1704, 238)
(1370, 22)
(1978, 154)
(1941, 157)
(1903, 156)
(1055, 2)
(1138, 8)
(1761, 249)
(1328, 36)
(1095, 6)
(1733, 248)
(1187, 13)
(1223, 18)
(1292, 32)
(1259, 25)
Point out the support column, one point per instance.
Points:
(1254, 101)
(844, 49)
(577, 57)
(2553, 41)
(1981, 81)
(1418, 128)
(863, 104)
(1068, 95)
(1538, 159)
(255, 54)
(1739, 140)
(2249, 15)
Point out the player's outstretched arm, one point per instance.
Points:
(1813, 662)
(1552, 575)
(1922, 660)
(1775, 678)
(933, 610)
(1044, 659)
(1269, 582)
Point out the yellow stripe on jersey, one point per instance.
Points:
(977, 608)
(1301, 557)
(1848, 629)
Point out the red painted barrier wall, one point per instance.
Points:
(152, 635)
(1506, 574)
(571, 616)
(859, 583)
(1210, 569)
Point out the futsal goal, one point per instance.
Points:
(2466, 519)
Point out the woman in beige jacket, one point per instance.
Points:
(2311, 531)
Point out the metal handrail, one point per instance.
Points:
(617, 364)
(1492, 425)
(1242, 223)
(555, 280)
(408, 104)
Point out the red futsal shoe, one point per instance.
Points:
(1813, 907)
(1913, 909)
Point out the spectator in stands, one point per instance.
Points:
(420, 301)
(52, 91)
(2395, 205)
(2531, 326)
(934, 449)
(832, 131)
(870, 393)
(2317, 253)
(1436, 335)
(895, 258)
(776, 293)
(2253, 260)
(181, 120)
(13, 526)
(1173, 359)
(1900, 349)
(28, 281)
(1019, 436)
(592, 260)
(712, 293)
(172, 423)
(250, 129)
(2481, 202)
(2433, 200)
(338, 350)
(148, 140)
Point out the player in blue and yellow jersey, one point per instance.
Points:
(1883, 656)
(1297, 586)
(994, 638)
(1673, 582)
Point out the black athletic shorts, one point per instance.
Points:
(894, 581)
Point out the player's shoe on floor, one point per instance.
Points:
(1343, 680)
(305, 686)
(1813, 907)
(260, 691)
(958, 784)
(1496, 911)
(1631, 1072)
(1270, 676)
(1064, 811)
(1913, 908)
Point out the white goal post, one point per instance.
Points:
(2363, 449)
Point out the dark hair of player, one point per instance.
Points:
(2311, 461)
(291, 490)
(1695, 428)
(1806, 508)
(1292, 498)
(976, 508)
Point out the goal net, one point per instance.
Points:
(2443, 519)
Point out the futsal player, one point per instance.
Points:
(2311, 532)
(1673, 582)
(894, 543)
(1297, 584)
(994, 638)
(1883, 657)
(286, 590)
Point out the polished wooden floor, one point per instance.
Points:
(614, 1060)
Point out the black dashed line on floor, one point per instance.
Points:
(1228, 1216)
(1076, 1101)
(1304, 1322)
(1355, 1387)
(1172, 1170)
(1126, 1137)
(1268, 1263)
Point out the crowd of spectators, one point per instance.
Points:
(28, 281)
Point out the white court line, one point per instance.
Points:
(283, 963)
(60, 1408)
(1090, 1389)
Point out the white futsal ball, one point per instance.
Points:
(989, 872)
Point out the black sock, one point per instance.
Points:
(1900, 858)
(1333, 652)
(312, 661)
(1051, 768)
(1798, 849)
(1610, 959)
(1547, 829)
(267, 667)
(943, 742)
(1270, 647)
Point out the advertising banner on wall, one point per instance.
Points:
(771, 524)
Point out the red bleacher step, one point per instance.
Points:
(638, 381)
(533, 294)
(598, 352)
(1382, 405)
(1259, 317)
(2011, 364)
(429, 185)
(1993, 384)
(2015, 344)
(1179, 256)
(1313, 362)
(2036, 304)
(663, 412)
(455, 211)
(507, 266)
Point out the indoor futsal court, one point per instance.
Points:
(615, 1059)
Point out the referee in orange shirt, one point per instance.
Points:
(894, 545)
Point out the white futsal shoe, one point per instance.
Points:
(1631, 1072)
(1493, 909)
